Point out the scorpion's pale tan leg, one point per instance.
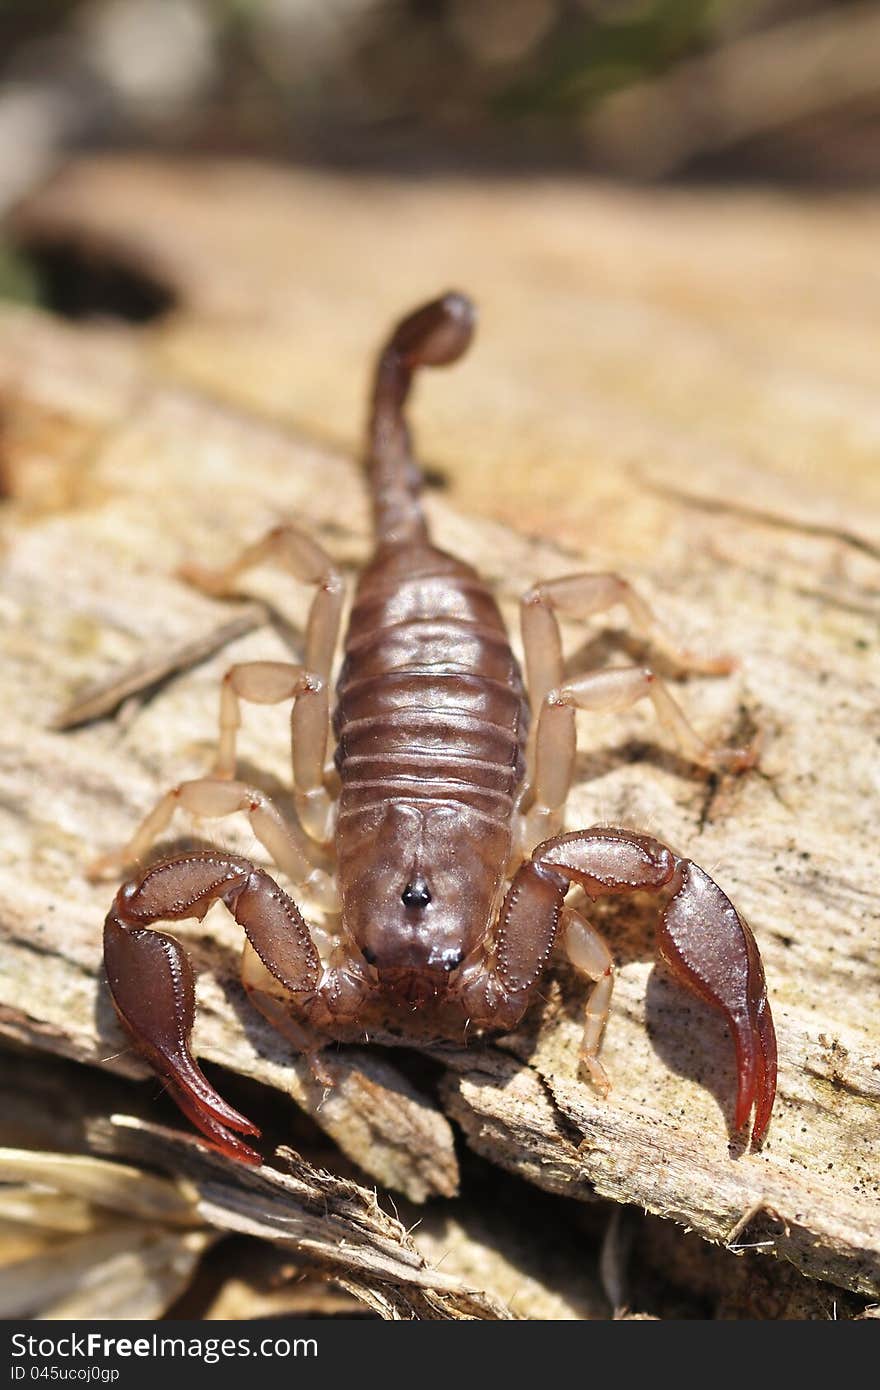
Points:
(703, 939)
(308, 562)
(218, 796)
(581, 596)
(590, 957)
(604, 692)
(302, 557)
(151, 979)
(279, 1007)
(272, 683)
(215, 799)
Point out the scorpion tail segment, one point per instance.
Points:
(436, 334)
(433, 336)
(711, 950)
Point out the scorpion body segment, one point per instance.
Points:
(431, 722)
(450, 772)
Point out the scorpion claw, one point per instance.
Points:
(755, 1044)
(151, 983)
(765, 1073)
(711, 949)
(204, 1118)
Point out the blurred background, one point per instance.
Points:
(675, 198)
(788, 89)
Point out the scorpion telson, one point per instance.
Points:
(428, 843)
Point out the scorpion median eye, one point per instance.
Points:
(368, 955)
(416, 894)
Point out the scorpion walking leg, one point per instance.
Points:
(215, 799)
(305, 560)
(151, 979)
(271, 683)
(605, 692)
(308, 562)
(590, 957)
(581, 596)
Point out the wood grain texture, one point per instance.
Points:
(680, 385)
(459, 1258)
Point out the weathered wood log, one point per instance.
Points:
(310, 1225)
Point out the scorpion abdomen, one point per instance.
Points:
(430, 699)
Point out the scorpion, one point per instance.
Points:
(441, 810)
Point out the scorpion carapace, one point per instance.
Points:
(429, 842)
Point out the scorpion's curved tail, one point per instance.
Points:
(432, 336)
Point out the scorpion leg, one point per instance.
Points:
(308, 562)
(215, 798)
(151, 979)
(271, 683)
(302, 557)
(603, 692)
(581, 596)
(590, 957)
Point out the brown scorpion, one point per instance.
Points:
(440, 810)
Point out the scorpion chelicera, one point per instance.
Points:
(440, 811)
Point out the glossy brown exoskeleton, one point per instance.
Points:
(430, 843)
